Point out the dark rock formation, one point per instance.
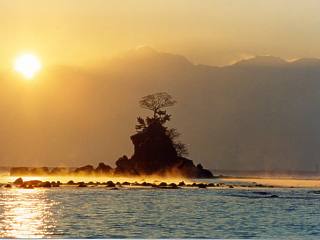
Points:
(31, 184)
(18, 181)
(181, 184)
(110, 184)
(125, 167)
(45, 184)
(55, 184)
(154, 153)
(82, 184)
(103, 169)
(202, 185)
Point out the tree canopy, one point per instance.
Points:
(157, 103)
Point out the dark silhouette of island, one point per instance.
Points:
(157, 150)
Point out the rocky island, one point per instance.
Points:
(157, 150)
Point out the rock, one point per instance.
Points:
(274, 196)
(163, 184)
(33, 183)
(8, 186)
(181, 184)
(154, 153)
(55, 184)
(315, 192)
(125, 183)
(144, 184)
(173, 186)
(45, 184)
(125, 167)
(18, 181)
(82, 184)
(135, 184)
(103, 169)
(110, 184)
(202, 185)
(70, 182)
(261, 193)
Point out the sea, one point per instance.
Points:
(98, 212)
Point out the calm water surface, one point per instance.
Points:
(155, 213)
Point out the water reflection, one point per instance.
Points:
(26, 213)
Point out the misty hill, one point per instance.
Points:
(260, 113)
(262, 61)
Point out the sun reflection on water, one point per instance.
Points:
(26, 213)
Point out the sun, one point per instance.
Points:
(27, 65)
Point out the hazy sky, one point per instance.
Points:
(72, 115)
(207, 31)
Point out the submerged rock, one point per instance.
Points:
(110, 184)
(18, 181)
(202, 185)
(163, 184)
(173, 186)
(274, 196)
(82, 184)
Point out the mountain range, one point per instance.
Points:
(257, 114)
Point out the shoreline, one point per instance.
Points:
(217, 182)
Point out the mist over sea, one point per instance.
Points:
(97, 212)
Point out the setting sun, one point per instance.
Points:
(27, 65)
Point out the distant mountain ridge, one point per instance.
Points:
(144, 53)
(257, 114)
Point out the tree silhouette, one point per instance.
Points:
(156, 103)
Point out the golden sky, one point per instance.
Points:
(207, 31)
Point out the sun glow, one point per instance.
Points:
(27, 65)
